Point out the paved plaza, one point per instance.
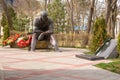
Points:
(20, 64)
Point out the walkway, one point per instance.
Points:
(19, 64)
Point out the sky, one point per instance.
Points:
(101, 0)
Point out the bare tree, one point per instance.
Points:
(45, 4)
(90, 20)
(70, 4)
(111, 16)
(27, 7)
(90, 15)
(80, 12)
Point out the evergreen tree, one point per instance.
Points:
(3, 20)
(6, 32)
(18, 24)
(6, 29)
(14, 17)
(99, 34)
(118, 45)
(57, 12)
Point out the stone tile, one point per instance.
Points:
(36, 65)
(67, 60)
(49, 77)
(50, 65)
(8, 74)
(26, 56)
(1, 72)
(90, 72)
(4, 60)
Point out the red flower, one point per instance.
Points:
(11, 39)
(22, 43)
(29, 40)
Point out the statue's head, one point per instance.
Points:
(44, 15)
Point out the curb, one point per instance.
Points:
(1, 73)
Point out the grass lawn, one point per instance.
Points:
(0, 41)
(89, 53)
(112, 66)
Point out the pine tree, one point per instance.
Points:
(57, 12)
(6, 32)
(118, 45)
(99, 34)
(13, 16)
(3, 20)
(6, 29)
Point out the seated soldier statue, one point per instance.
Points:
(43, 30)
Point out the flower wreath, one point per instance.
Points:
(19, 40)
(10, 39)
(24, 41)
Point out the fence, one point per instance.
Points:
(71, 39)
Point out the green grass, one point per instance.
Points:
(112, 66)
(0, 41)
(89, 52)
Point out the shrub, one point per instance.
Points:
(118, 45)
(6, 32)
(3, 20)
(4, 23)
(99, 34)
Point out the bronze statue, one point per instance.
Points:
(43, 30)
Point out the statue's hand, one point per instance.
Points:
(40, 37)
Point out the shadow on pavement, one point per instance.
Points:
(60, 74)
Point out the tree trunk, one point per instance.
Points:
(114, 12)
(90, 20)
(111, 17)
(72, 22)
(5, 8)
(90, 16)
(108, 10)
(45, 4)
(71, 14)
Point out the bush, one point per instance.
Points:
(6, 32)
(99, 34)
(4, 23)
(3, 20)
(118, 45)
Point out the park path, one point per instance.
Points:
(19, 64)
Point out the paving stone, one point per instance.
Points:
(19, 64)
